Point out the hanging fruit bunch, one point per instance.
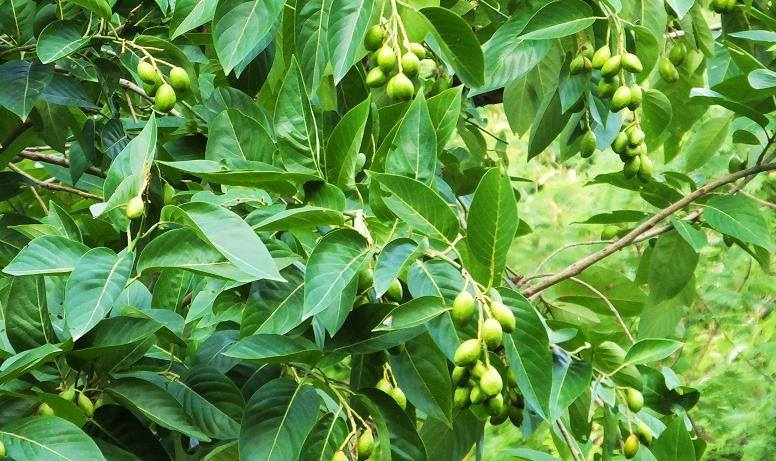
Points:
(164, 90)
(724, 6)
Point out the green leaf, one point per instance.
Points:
(405, 442)
(305, 217)
(671, 266)
(452, 39)
(343, 145)
(96, 282)
(47, 437)
(27, 322)
(559, 19)
(47, 255)
(413, 151)
(624, 294)
(101, 7)
(674, 442)
(738, 217)
(333, 264)
(529, 454)
(348, 23)
(237, 31)
(706, 141)
(278, 418)
(394, 259)
(657, 111)
(570, 378)
(311, 21)
(680, 7)
(712, 97)
(154, 403)
(325, 438)
(696, 238)
(276, 307)
(134, 161)
(363, 340)
(419, 206)
(651, 350)
(21, 84)
(442, 442)
(491, 224)
(190, 14)
(58, 40)
(414, 312)
(548, 123)
(761, 79)
(295, 124)
(243, 173)
(266, 348)
(234, 135)
(23, 362)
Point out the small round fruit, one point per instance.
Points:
(495, 405)
(339, 456)
(611, 66)
(621, 98)
(366, 278)
(418, 50)
(376, 78)
(461, 397)
(374, 37)
(637, 96)
(460, 374)
(644, 433)
(410, 64)
(400, 87)
(491, 382)
(135, 207)
(586, 50)
(606, 89)
(427, 68)
(85, 404)
(668, 71)
(179, 79)
(588, 144)
(68, 394)
(399, 397)
(476, 395)
(386, 58)
(467, 353)
(635, 398)
(146, 72)
(631, 446)
(384, 385)
(577, 65)
(45, 410)
(631, 167)
(165, 98)
(492, 333)
(645, 173)
(735, 164)
(463, 308)
(366, 444)
(601, 56)
(395, 291)
(677, 54)
(504, 316)
(636, 136)
(632, 63)
(478, 369)
(609, 232)
(360, 161)
(620, 142)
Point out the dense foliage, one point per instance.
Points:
(268, 230)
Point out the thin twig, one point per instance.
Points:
(57, 160)
(609, 304)
(569, 441)
(54, 187)
(126, 84)
(40, 200)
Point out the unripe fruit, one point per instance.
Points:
(491, 382)
(504, 316)
(577, 65)
(492, 333)
(601, 56)
(360, 161)
(467, 353)
(631, 167)
(418, 50)
(631, 446)
(644, 433)
(611, 66)
(635, 136)
(609, 232)
(428, 68)
(179, 79)
(677, 54)
(68, 394)
(146, 72)
(588, 144)
(135, 207)
(400, 87)
(463, 308)
(586, 50)
(668, 71)
(620, 142)
(478, 369)
(460, 374)
(386, 58)
(366, 278)
(645, 173)
(85, 404)
(461, 397)
(399, 397)
(384, 385)
(45, 410)
(476, 395)
(632, 63)
(736, 164)
(374, 37)
(637, 96)
(635, 398)
(621, 98)
(165, 98)
(410, 64)
(366, 444)
(606, 89)
(375, 78)
(2, 449)
(339, 456)
(395, 291)
(150, 89)
(495, 405)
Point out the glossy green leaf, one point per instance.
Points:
(101, 7)
(234, 135)
(58, 40)
(47, 437)
(343, 146)
(21, 84)
(570, 378)
(27, 323)
(295, 124)
(325, 437)
(413, 152)
(706, 141)
(47, 255)
(626, 296)
(23, 362)
(738, 217)
(134, 161)
(274, 307)
(696, 238)
(455, 42)
(442, 442)
(671, 266)
(674, 442)
(347, 25)
(548, 123)
(650, 350)
(559, 19)
(237, 31)
(311, 22)
(414, 312)
(189, 14)
(394, 259)
(267, 348)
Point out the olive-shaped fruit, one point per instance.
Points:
(384, 385)
(476, 395)
(677, 54)
(731, 6)
(637, 96)
(427, 68)
(399, 397)
(400, 87)
(339, 456)
(620, 142)
(68, 394)
(635, 135)
(492, 333)
(634, 398)
(601, 56)
(588, 144)
(374, 37)
(463, 308)
(504, 316)
(491, 382)
(587, 50)
(395, 291)
(376, 78)
(165, 98)
(179, 79)
(611, 66)
(632, 63)
(45, 410)
(85, 404)
(606, 89)
(366, 444)
(631, 446)
(366, 278)
(146, 72)
(360, 161)
(609, 232)
(668, 71)
(645, 173)
(621, 98)
(418, 50)
(478, 369)
(631, 167)
(577, 65)
(150, 88)
(410, 64)
(467, 353)
(644, 433)
(736, 164)
(135, 207)
(461, 397)
(460, 374)
(386, 58)
(495, 405)
(2, 449)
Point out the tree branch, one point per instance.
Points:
(57, 160)
(54, 187)
(17, 131)
(630, 237)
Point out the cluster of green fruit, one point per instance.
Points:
(394, 391)
(395, 66)
(629, 145)
(70, 394)
(643, 434)
(612, 84)
(164, 91)
(724, 6)
(365, 446)
(668, 65)
(366, 280)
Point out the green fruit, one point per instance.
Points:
(632, 63)
(460, 374)
(135, 207)
(366, 278)
(463, 308)
(620, 142)
(588, 144)
(631, 446)
(68, 394)
(339, 456)
(495, 405)
(478, 369)
(400, 88)
(384, 385)
(736, 164)
(366, 444)
(461, 397)
(360, 161)
(427, 68)
(476, 395)
(386, 58)
(606, 89)
(418, 50)
(609, 232)
(2, 449)
(601, 56)
(179, 79)
(677, 54)
(399, 397)
(146, 72)
(645, 173)
(635, 398)
(467, 353)
(668, 71)
(504, 316)
(636, 135)
(85, 404)
(516, 415)
(611, 66)
(150, 88)
(631, 167)
(374, 37)
(165, 98)
(644, 433)
(637, 96)
(410, 64)
(621, 98)
(731, 6)
(586, 50)
(577, 65)
(395, 291)
(492, 333)
(45, 410)
(491, 382)
(376, 78)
